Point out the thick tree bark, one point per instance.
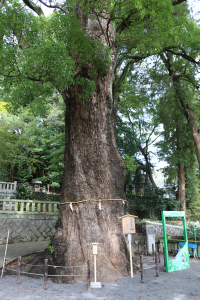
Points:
(93, 169)
(181, 187)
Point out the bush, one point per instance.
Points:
(150, 206)
(23, 191)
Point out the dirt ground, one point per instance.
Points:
(179, 285)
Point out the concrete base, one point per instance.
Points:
(96, 285)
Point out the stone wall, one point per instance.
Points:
(172, 230)
(25, 230)
(28, 220)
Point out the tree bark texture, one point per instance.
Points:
(93, 169)
(181, 187)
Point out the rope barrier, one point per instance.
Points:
(154, 266)
(45, 274)
(10, 269)
(31, 273)
(146, 259)
(67, 266)
(32, 265)
(95, 200)
(67, 275)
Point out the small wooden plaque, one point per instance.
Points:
(128, 224)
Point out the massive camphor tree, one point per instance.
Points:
(84, 50)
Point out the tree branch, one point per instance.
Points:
(34, 7)
(147, 142)
(1, 3)
(54, 6)
(176, 2)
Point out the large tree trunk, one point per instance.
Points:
(93, 169)
(181, 187)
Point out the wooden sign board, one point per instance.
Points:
(128, 224)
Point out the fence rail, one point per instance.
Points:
(28, 206)
(45, 274)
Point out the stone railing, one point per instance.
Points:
(28, 220)
(28, 206)
(7, 188)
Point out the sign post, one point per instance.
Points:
(128, 226)
(95, 284)
(131, 263)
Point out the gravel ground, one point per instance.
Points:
(169, 286)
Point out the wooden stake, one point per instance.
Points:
(18, 270)
(45, 273)
(153, 250)
(139, 247)
(156, 262)
(141, 268)
(88, 275)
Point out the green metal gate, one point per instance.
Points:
(182, 259)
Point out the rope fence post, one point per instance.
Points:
(18, 270)
(142, 268)
(88, 275)
(139, 247)
(156, 262)
(45, 273)
(153, 250)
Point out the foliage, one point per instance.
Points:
(39, 56)
(130, 164)
(23, 191)
(45, 56)
(50, 248)
(150, 205)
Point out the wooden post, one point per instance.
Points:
(145, 248)
(139, 247)
(156, 262)
(18, 269)
(88, 275)
(164, 255)
(153, 250)
(45, 273)
(141, 268)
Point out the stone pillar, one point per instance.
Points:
(150, 238)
